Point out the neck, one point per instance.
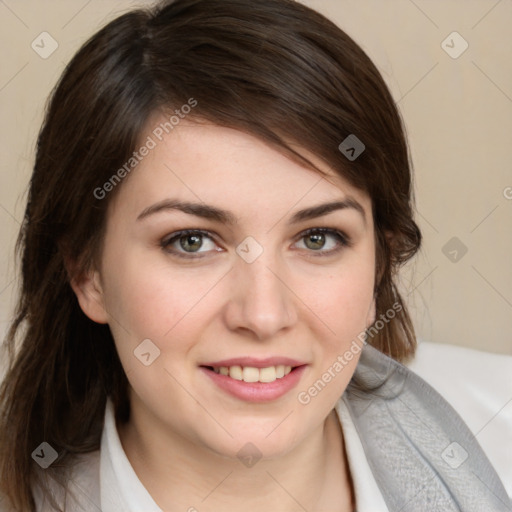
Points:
(183, 476)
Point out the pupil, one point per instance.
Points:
(191, 242)
(317, 240)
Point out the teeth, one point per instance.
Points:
(251, 374)
(267, 374)
(235, 372)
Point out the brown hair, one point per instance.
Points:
(273, 68)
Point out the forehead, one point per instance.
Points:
(205, 162)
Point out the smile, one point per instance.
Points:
(254, 380)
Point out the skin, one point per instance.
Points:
(184, 432)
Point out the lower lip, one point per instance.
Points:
(256, 391)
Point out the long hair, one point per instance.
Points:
(272, 68)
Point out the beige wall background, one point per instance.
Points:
(456, 103)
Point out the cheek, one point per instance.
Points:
(353, 296)
(344, 304)
(148, 302)
(345, 308)
(155, 300)
(344, 299)
(346, 313)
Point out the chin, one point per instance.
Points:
(251, 441)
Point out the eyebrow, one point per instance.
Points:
(209, 212)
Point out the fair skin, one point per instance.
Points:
(185, 431)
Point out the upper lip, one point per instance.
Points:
(255, 362)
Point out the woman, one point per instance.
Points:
(220, 202)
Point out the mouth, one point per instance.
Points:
(255, 381)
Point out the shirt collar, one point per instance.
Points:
(367, 492)
(121, 489)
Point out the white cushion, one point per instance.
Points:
(478, 385)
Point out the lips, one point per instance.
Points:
(255, 380)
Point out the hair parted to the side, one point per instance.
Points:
(273, 68)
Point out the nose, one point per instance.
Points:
(261, 302)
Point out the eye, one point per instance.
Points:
(193, 243)
(324, 241)
(189, 242)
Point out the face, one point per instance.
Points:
(231, 289)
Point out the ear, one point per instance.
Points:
(89, 292)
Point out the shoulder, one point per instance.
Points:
(82, 492)
(478, 385)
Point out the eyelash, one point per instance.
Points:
(342, 238)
